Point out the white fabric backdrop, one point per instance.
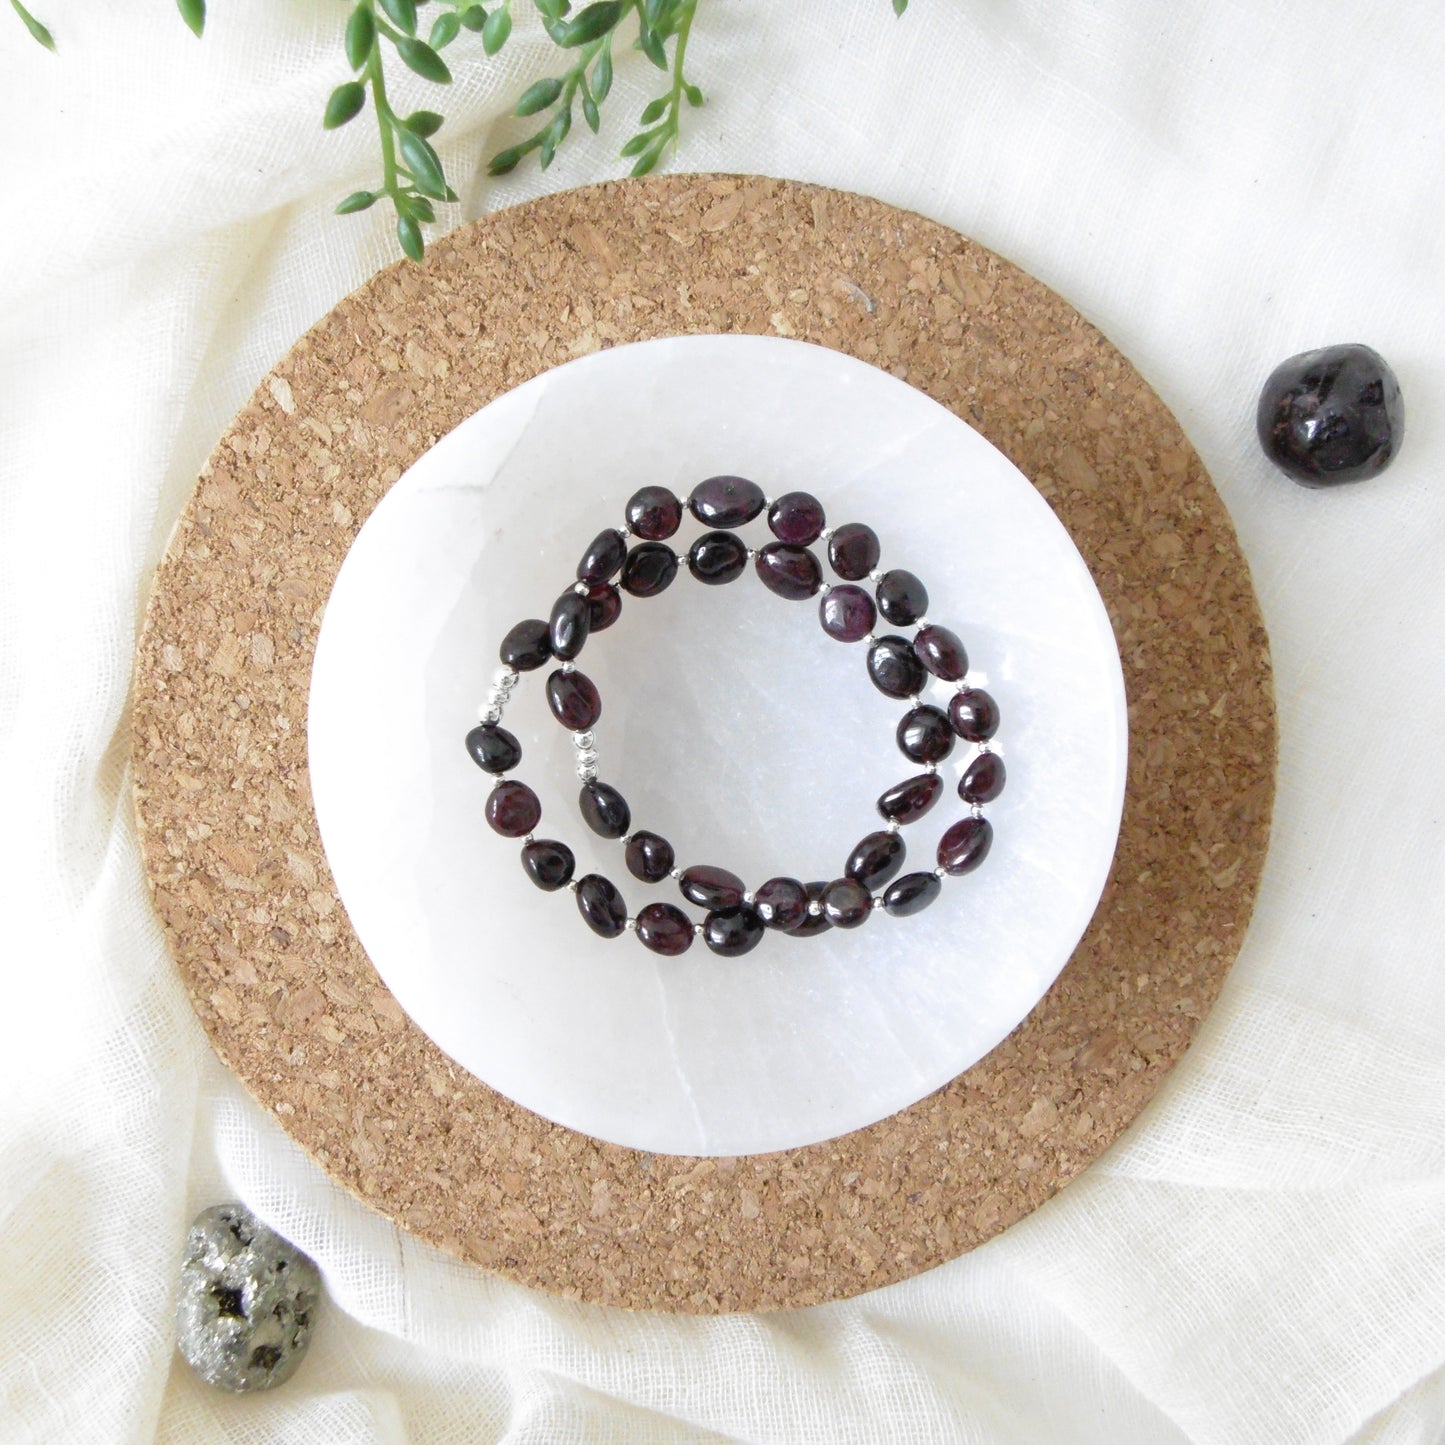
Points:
(1263, 1258)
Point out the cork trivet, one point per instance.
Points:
(230, 839)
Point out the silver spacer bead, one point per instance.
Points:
(506, 676)
(977, 810)
(749, 897)
(530, 838)
(752, 554)
(825, 589)
(894, 825)
(587, 758)
(490, 713)
(574, 884)
(569, 667)
(631, 925)
(875, 575)
(871, 639)
(767, 503)
(826, 534)
(930, 767)
(878, 900)
(921, 623)
(815, 908)
(916, 700)
(940, 872)
(697, 930)
(580, 588)
(584, 740)
(587, 772)
(675, 873)
(626, 529)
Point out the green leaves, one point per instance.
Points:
(444, 30)
(602, 75)
(345, 103)
(591, 24)
(360, 37)
(538, 96)
(423, 163)
(36, 29)
(409, 234)
(424, 122)
(356, 201)
(899, 6)
(401, 13)
(417, 55)
(653, 110)
(193, 12)
(497, 28)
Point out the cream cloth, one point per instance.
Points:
(1263, 1258)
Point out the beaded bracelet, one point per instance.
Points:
(899, 667)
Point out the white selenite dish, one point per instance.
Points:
(733, 725)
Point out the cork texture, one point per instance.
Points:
(230, 840)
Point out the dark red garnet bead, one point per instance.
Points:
(797, 517)
(718, 557)
(548, 864)
(853, 551)
(726, 501)
(665, 929)
(601, 905)
(847, 613)
(732, 932)
(711, 887)
(602, 559)
(528, 645)
(782, 903)
(941, 652)
(973, 714)
(604, 606)
(876, 859)
(654, 513)
(847, 903)
(902, 598)
(574, 700)
(908, 801)
(604, 810)
(894, 667)
(924, 735)
(513, 809)
(813, 923)
(649, 857)
(965, 845)
(493, 749)
(570, 624)
(912, 893)
(982, 779)
(649, 569)
(791, 572)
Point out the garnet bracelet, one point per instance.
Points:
(898, 666)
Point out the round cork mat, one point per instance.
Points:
(230, 840)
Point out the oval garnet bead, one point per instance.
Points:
(902, 598)
(570, 624)
(731, 932)
(548, 864)
(982, 779)
(528, 645)
(726, 501)
(601, 905)
(791, 572)
(711, 887)
(813, 923)
(604, 810)
(493, 749)
(875, 859)
(973, 714)
(574, 700)
(718, 557)
(847, 613)
(649, 857)
(649, 569)
(894, 667)
(908, 801)
(782, 903)
(924, 735)
(797, 517)
(604, 606)
(513, 809)
(941, 652)
(654, 513)
(965, 845)
(602, 559)
(665, 929)
(847, 903)
(912, 893)
(853, 551)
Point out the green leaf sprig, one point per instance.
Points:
(412, 178)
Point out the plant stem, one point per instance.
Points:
(384, 116)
